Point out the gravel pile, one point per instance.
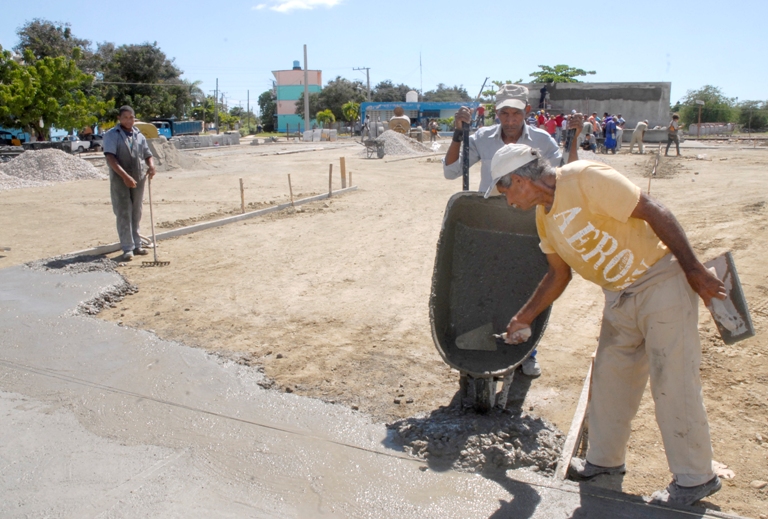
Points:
(398, 144)
(9, 182)
(42, 167)
(463, 440)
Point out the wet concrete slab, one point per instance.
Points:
(98, 420)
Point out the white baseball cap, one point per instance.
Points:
(515, 96)
(509, 158)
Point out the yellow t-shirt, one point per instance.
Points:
(590, 228)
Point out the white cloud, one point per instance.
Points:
(286, 6)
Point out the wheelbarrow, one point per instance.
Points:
(373, 147)
(488, 264)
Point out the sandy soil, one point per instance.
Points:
(332, 300)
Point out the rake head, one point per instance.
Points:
(155, 263)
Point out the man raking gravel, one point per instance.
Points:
(125, 149)
(592, 219)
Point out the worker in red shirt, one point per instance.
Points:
(551, 127)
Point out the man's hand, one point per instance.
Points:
(706, 284)
(515, 325)
(464, 115)
(151, 172)
(576, 122)
(129, 181)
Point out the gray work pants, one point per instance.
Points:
(126, 204)
(672, 137)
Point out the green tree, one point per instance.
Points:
(753, 115)
(51, 90)
(326, 116)
(338, 92)
(143, 77)
(387, 92)
(718, 108)
(559, 74)
(314, 105)
(268, 110)
(445, 94)
(351, 111)
(46, 39)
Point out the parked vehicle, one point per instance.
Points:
(171, 128)
(6, 138)
(96, 141)
(74, 145)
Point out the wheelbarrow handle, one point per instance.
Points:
(465, 157)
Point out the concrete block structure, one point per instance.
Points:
(419, 113)
(289, 88)
(634, 101)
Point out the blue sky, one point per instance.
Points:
(689, 43)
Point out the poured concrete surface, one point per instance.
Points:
(104, 421)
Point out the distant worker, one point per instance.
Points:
(620, 123)
(432, 130)
(593, 220)
(125, 149)
(638, 135)
(511, 107)
(543, 97)
(400, 123)
(672, 134)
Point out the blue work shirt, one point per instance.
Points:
(485, 142)
(129, 148)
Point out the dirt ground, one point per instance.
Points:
(332, 301)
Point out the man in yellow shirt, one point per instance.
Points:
(592, 219)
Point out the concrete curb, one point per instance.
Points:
(114, 247)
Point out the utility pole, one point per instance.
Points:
(248, 107)
(216, 107)
(367, 77)
(306, 91)
(698, 126)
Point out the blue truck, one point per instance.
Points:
(171, 128)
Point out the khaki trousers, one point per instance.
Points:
(651, 329)
(636, 139)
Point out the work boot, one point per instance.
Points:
(140, 252)
(674, 494)
(581, 469)
(531, 367)
(127, 256)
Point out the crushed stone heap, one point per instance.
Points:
(42, 167)
(398, 144)
(463, 440)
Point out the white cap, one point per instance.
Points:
(515, 96)
(509, 158)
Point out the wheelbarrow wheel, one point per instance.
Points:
(485, 394)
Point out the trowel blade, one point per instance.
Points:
(479, 339)
(731, 315)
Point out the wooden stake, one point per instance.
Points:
(242, 196)
(330, 180)
(577, 426)
(290, 189)
(350, 179)
(343, 162)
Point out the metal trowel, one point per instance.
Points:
(479, 339)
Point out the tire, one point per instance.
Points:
(485, 394)
(80, 149)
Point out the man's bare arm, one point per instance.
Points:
(550, 288)
(669, 231)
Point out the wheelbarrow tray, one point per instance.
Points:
(488, 264)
